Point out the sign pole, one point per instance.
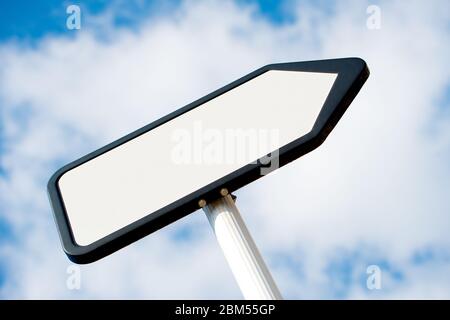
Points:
(239, 249)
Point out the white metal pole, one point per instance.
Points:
(244, 259)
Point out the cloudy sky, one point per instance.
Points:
(377, 192)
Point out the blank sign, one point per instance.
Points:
(157, 174)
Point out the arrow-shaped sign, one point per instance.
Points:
(227, 139)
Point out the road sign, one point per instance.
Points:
(227, 139)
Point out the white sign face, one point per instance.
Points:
(171, 161)
(146, 174)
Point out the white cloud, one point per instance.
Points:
(378, 186)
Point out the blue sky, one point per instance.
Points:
(376, 197)
(33, 20)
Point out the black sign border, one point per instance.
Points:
(351, 75)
